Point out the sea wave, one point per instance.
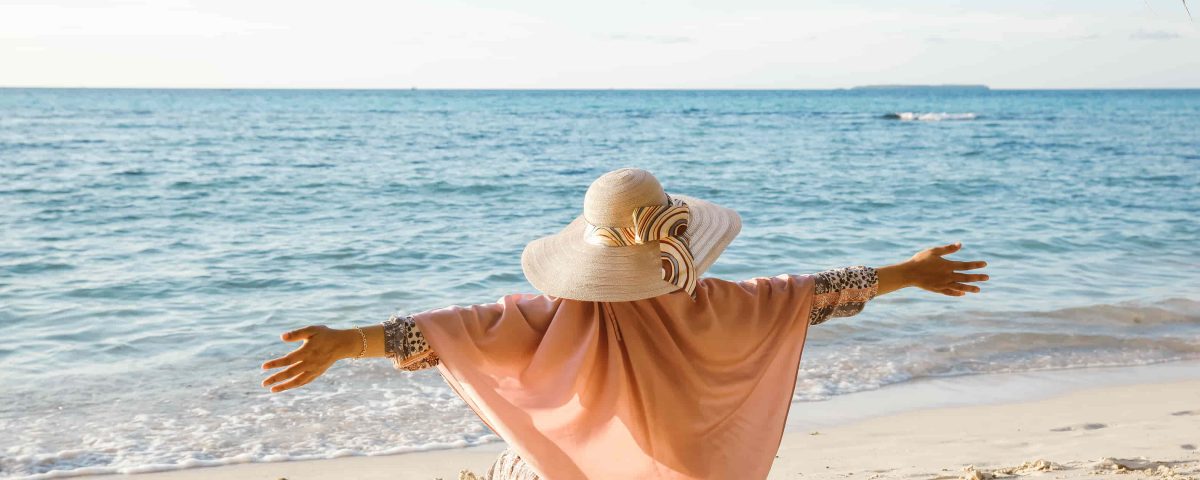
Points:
(63, 461)
(237, 423)
(848, 358)
(929, 116)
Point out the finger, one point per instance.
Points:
(298, 381)
(969, 277)
(299, 334)
(947, 249)
(969, 265)
(291, 358)
(285, 374)
(951, 292)
(963, 287)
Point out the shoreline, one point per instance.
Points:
(1141, 416)
(978, 390)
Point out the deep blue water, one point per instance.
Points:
(155, 242)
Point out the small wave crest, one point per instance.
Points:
(929, 116)
(975, 343)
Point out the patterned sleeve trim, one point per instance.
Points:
(843, 292)
(404, 344)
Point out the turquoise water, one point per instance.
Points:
(155, 242)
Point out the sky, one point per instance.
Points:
(610, 44)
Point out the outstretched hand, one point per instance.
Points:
(929, 271)
(321, 348)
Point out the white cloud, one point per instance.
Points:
(1153, 35)
(151, 19)
(621, 43)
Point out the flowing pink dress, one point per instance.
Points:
(668, 387)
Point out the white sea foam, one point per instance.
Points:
(66, 459)
(370, 410)
(929, 116)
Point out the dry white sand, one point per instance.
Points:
(1149, 430)
(1131, 431)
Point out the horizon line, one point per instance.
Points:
(598, 89)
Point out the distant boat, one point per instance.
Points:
(982, 88)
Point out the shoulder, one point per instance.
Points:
(759, 302)
(514, 311)
(752, 284)
(784, 285)
(535, 307)
(531, 300)
(502, 303)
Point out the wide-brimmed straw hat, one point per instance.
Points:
(633, 241)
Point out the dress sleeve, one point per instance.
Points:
(404, 344)
(842, 292)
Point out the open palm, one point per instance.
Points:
(928, 270)
(321, 348)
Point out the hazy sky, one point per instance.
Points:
(598, 44)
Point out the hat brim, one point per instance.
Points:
(565, 265)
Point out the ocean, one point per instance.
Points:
(156, 242)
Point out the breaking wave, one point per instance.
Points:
(929, 116)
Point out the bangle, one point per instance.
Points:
(364, 339)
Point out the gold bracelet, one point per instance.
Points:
(362, 334)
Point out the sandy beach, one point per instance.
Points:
(1125, 428)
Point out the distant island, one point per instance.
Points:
(922, 87)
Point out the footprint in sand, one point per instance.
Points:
(1082, 426)
(1186, 412)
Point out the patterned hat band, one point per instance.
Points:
(665, 224)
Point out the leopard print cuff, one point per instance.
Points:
(404, 344)
(843, 292)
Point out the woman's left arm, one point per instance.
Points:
(843, 292)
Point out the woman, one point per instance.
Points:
(628, 365)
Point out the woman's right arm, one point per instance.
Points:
(405, 344)
(398, 338)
